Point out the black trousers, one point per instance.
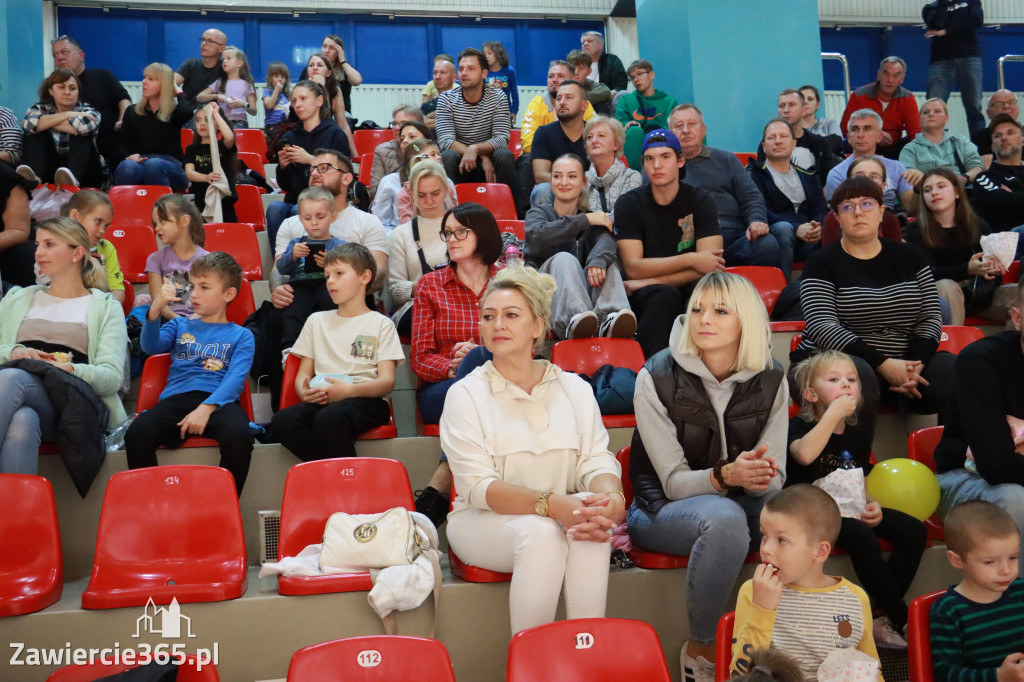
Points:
(886, 582)
(158, 425)
(325, 431)
(82, 158)
(656, 308)
(270, 351)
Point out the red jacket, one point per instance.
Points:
(900, 115)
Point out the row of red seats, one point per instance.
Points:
(133, 204)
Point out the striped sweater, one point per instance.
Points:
(970, 640)
(877, 308)
(485, 121)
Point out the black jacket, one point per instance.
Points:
(960, 19)
(1002, 210)
(780, 208)
(611, 72)
(825, 158)
(327, 135)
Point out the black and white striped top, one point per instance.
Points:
(486, 121)
(877, 308)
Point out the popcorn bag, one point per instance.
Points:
(846, 486)
(848, 665)
(1001, 245)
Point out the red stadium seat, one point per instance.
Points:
(955, 339)
(168, 532)
(1012, 274)
(315, 490)
(365, 168)
(592, 649)
(769, 283)
(239, 240)
(187, 672)
(723, 646)
(243, 306)
(289, 397)
(746, 157)
(129, 297)
(516, 227)
(186, 138)
(368, 140)
(252, 161)
(133, 204)
(252, 140)
(495, 197)
(380, 658)
(134, 244)
(71, 189)
(515, 142)
(919, 649)
(467, 572)
(921, 446)
(249, 207)
(585, 356)
(152, 383)
(31, 565)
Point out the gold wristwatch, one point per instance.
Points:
(541, 505)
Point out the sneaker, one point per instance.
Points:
(886, 635)
(27, 173)
(582, 326)
(620, 325)
(433, 504)
(699, 670)
(65, 178)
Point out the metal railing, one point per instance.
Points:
(1002, 60)
(841, 58)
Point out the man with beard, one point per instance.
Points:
(999, 191)
(564, 136)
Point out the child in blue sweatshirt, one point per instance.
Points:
(210, 359)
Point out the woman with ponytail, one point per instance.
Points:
(72, 325)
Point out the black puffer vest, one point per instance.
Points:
(696, 423)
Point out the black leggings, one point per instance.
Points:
(886, 582)
(324, 431)
(82, 158)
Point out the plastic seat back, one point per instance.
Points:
(379, 658)
(186, 138)
(239, 240)
(31, 563)
(495, 197)
(365, 168)
(515, 142)
(592, 649)
(168, 532)
(1012, 274)
(516, 227)
(252, 140)
(187, 672)
(723, 646)
(768, 281)
(129, 297)
(746, 157)
(585, 356)
(368, 140)
(244, 304)
(921, 446)
(919, 649)
(955, 339)
(252, 161)
(249, 207)
(133, 204)
(134, 244)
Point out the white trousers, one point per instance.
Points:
(540, 556)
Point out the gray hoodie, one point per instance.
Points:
(547, 233)
(659, 433)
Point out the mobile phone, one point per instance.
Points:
(315, 246)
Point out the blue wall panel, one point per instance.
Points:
(456, 38)
(401, 51)
(299, 40)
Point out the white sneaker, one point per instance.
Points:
(620, 325)
(886, 635)
(27, 173)
(699, 670)
(65, 178)
(582, 326)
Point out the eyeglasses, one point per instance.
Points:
(322, 169)
(865, 205)
(207, 41)
(1008, 104)
(458, 234)
(637, 74)
(395, 125)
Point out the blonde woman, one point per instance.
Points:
(151, 134)
(934, 147)
(709, 449)
(73, 325)
(538, 491)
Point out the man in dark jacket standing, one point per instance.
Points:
(956, 55)
(607, 67)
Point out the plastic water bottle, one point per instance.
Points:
(846, 460)
(115, 439)
(512, 254)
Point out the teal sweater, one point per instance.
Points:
(108, 343)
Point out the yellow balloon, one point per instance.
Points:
(904, 485)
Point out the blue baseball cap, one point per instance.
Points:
(661, 138)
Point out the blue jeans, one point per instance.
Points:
(966, 72)
(542, 194)
(430, 397)
(158, 169)
(959, 486)
(716, 532)
(277, 213)
(791, 248)
(762, 251)
(26, 417)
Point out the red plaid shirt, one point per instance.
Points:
(445, 313)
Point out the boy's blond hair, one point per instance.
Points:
(811, 507)
(973, 522)
(316, 194)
